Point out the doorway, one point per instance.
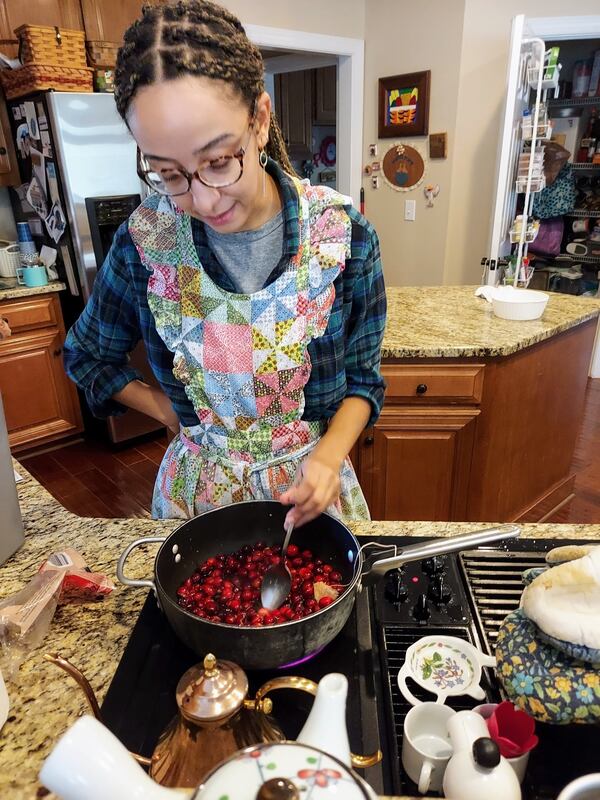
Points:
(300, 50)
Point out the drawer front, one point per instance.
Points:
(414, 383)
(31, 313)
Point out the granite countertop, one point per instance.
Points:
(44, 701)
(450, 322)
(8, 292)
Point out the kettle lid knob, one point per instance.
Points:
(486, 752)
(278, 789)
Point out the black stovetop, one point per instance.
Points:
(370, 650)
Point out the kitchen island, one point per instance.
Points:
(481, 415)
(44, 701)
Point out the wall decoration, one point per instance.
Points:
(431, 191)
(403, 167)
(327, 152)
(438, 145)
(404, 105)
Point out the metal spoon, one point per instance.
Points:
(277, 580)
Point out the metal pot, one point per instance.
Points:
(228, 528)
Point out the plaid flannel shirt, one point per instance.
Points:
(345, 360)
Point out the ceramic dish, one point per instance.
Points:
(445, 666)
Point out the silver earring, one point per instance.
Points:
(262, 160)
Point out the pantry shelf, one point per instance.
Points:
(583, 213)
(572, 102)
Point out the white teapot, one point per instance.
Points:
(90, 763)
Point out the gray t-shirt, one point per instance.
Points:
(249, 257)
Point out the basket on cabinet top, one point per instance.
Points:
(41, 77)
(102, 54)
(51, 46)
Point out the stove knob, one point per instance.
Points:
(439, 591)
(421, 611)
(395, 590)
(432, 566)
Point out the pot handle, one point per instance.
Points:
(125, 555)
(306, 685)
(436, 547)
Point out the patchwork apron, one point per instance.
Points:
(243, 359)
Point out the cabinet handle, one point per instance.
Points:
(421, 388)
(56, 353)
(369, 439)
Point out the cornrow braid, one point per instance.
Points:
(193, 37)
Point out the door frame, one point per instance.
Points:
(349, 55)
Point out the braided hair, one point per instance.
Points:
(193, 37)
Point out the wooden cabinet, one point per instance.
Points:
(40, 402)
(325, 95)
(64, 13)
(107, 20)
(415, 462)
(293, 104)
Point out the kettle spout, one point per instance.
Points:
(325, 727)
(90, 763)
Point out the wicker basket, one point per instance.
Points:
(57, 46)
(102, 54)
(39, 77)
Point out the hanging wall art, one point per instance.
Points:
(404, 105)
(403, 167)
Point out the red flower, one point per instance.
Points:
(321, 776)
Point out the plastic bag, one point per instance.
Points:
(555, 157)
(25, 617)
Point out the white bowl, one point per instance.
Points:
(519, 304)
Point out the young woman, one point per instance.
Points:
(260, 299)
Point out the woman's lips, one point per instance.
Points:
(221, 219)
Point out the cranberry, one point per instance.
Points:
(325, 601)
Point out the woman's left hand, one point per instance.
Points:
(317, 486)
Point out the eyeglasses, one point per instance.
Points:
(216, 173)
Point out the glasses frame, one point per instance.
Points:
(238, 155)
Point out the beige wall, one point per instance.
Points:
(401, 37)
(483, 65)
(333, 17)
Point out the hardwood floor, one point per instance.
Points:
(94, 480)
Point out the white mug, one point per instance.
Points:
(426, 747)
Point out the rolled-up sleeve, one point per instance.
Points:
(365, 330)
(97, 348)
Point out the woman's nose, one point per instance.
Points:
(204, 197)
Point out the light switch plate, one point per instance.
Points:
(410, 210)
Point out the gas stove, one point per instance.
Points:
(466, 595)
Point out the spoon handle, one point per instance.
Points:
(286, 541)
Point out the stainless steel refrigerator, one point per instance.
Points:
(77, 162)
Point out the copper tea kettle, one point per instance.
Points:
(215, 719)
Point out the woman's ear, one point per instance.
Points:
(262, 119)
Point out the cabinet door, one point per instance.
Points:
(40, 402)
(63, 13)
(325, 95)
(293, 104)
(9, 171)
(107, 20)
(415, 463)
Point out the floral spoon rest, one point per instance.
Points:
(445, 666)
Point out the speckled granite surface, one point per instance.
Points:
(27, 291)
(44, 701)
(450, 322)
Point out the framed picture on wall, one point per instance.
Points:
(404, 105)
